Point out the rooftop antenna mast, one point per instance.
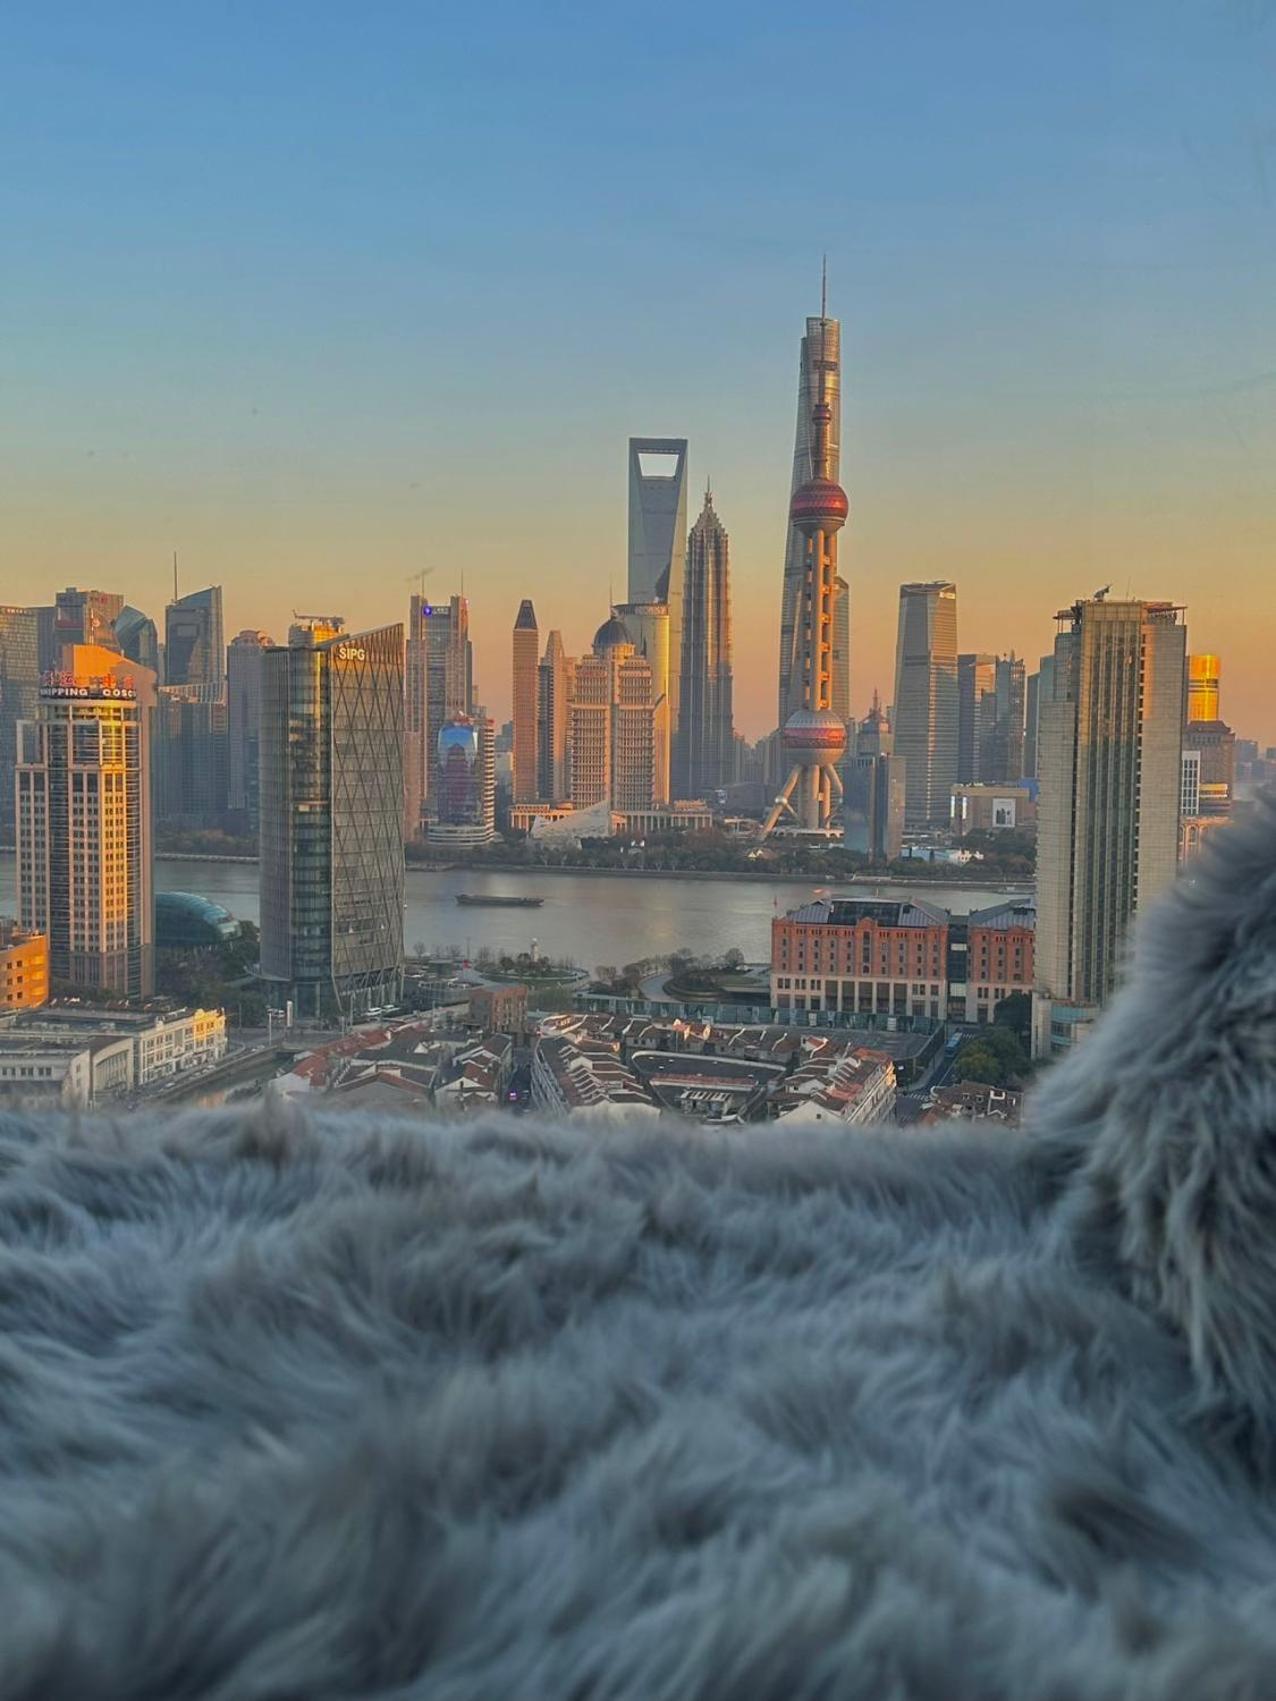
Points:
(174, 575)
(824, 292)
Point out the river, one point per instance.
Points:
(586, 919)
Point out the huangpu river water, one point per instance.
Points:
(586, 919)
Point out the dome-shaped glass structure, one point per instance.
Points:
(611, 634)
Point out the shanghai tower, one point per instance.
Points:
(820, 357)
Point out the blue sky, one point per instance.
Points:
(320, 294)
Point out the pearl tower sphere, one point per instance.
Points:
(814, 736)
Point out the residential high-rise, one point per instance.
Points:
(190, 752)
(658, 536)
(194, 643)
(814, 734)
(1109, 763)
(1203, 674)
(331, 838)
(553, 697)
(704, 744)
(925, 713)
(19, 695)
(526, 681)
(976, 683)
(465, 790)
(138, 638)
(82, 617)
(243, 722)
(647, 624)
(85, 857)
(819, 373)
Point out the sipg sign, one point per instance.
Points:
(72, 685)
(351, 652)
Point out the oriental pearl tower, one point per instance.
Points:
(814, 736)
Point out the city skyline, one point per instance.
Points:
(1049, 250)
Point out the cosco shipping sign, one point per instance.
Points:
(67, 685)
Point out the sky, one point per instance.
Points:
(323, 295)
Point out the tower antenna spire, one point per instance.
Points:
(174, 575)
(824, 289)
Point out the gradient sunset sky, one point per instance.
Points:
(321, 294)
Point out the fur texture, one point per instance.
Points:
(297, 1410)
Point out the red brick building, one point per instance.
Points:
(502, 1009)
(999, 955)
(869, 955)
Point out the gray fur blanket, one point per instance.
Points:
(304, 1410)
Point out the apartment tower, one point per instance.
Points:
(1109, 763)
(85, 854)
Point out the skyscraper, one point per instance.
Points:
(1215, 743)
(138, 638)
(589, 732)
(190, 752)
(439, 687)
(633, 733)
(658, 536)
(465, 792)
(1203, 673)
(1039, 689)
(85, 859)
(82, 617)
(526, 682)
(704, 745)
(819, 374)
(194, 644)
(976, 681)
(648, 626)
(1109, 762)
(19, 695)
(873, 805)
(814, 735)
(553, 697)
(1001, 760)
(331, 838)
(243, 720)
(925, 714)
(990, 719)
